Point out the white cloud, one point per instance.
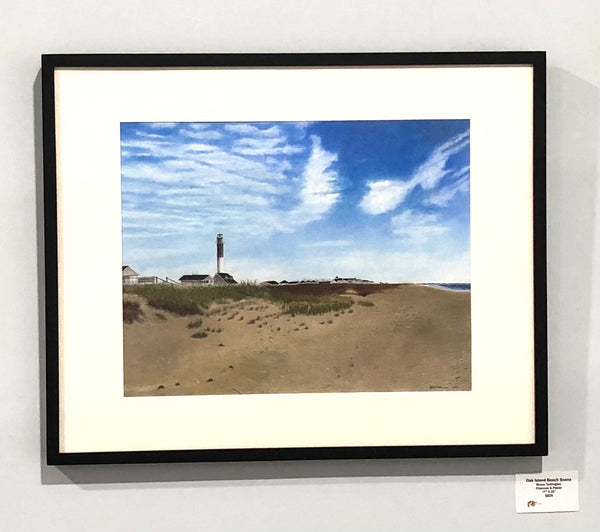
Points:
(201, 134)
(247, 129)
(384, 196)
(268, 144)
(430, 173)
(198, 147)
(198, 126)
(209, 168)
(149, 145)
(265, 143)
(145, 135)
(195, 188)
(417, 227)
(262, 151)
(441, 197)
(319, 190)
(161, 125)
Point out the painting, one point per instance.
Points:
(296, 257)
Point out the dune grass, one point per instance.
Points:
(366, 303)
(315, 308)
(194, 300)
(296, 302)
(190, 301)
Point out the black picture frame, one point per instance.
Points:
(451, 61)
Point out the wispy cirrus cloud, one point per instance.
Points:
(249, 129)
(161, 125)
(231, 178)
(386, 195)
(461, 184)
(201, 134)
(430, 173)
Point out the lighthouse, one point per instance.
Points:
(220, 247)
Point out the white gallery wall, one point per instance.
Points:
(416, 495)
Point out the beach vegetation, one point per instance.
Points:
(132, 311)
(196, 300)
(195, 324)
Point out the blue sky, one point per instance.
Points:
(380, 200)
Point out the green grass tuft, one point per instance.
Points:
(366, 303)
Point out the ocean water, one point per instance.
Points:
(463, 287)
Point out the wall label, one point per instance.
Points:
(549, 491)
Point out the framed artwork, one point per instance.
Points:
(296, 256)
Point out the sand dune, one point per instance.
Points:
(413, 338)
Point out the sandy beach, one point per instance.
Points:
(392, 338)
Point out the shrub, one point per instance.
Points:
(313, 308)
(366, 303)
(132, 311)
(200, 334)
(195, 324)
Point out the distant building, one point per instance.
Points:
(223, 278)
(202, 279)
(130, 276)
(354, 280)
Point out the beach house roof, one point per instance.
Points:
(225, 277)
(128, 271)
(194, 277)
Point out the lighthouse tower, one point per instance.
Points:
(220, 247)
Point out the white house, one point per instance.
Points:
(202, 279)
(222, 278)
(130, 276)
